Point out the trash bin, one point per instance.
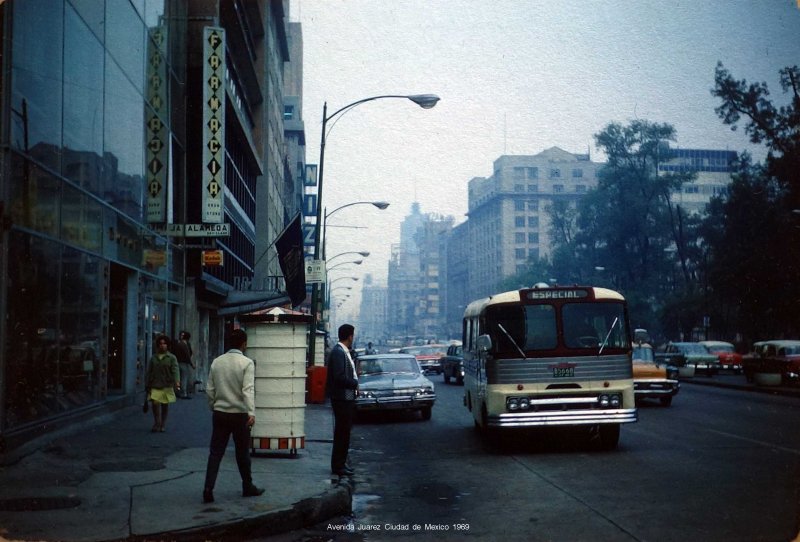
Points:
(315, 380)
(276, 341)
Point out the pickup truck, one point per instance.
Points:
(452, 364)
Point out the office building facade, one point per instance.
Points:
(105, 128)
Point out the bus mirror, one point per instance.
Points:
(484, 343)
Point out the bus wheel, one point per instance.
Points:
(608, 436)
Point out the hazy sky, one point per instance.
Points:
(514, 77)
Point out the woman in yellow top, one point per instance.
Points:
(163, 378)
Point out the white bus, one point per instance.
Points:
(550, 356)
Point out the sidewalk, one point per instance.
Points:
(118, 481)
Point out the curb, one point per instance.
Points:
(302, 514)
(778, 390)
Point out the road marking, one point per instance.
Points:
(759, 442)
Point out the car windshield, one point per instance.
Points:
(720, 348)
(692, 348)
(423, 350)
(643, 354)
(387, 365)
(789, 351)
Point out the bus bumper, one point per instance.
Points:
(569, 417)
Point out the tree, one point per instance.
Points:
(752, 233)
(775, 127)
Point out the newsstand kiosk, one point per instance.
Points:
(276, 341)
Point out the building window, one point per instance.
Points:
(558, 189)
(533, 172)
(691, 189)
(533, 205)
(519, 253)
(519, 188)
(519, 221)
(577, 173)
(288, 112)
(533, 238)
(533, 221)
(555, 173)
(519, 173)
(519, 238)
(519, 205)
(533, 188)
(533, 254)
(580, 188)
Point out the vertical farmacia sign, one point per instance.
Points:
(213, 124)
(156, 129)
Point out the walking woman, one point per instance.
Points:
(163, 378)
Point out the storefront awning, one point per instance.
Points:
(239, 302)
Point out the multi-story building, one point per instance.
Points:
(456, 291)
(509, 222)
(118, 121)
(373, 313)
(712, 169)
(416, 273)
(430, 311)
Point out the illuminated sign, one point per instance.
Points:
(213, 124)
(213, 258)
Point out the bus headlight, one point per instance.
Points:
(512, 404)
(609, 400)
(524, 404)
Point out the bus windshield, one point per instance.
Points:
(535, 327)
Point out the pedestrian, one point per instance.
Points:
(230, 389)
(370, 349)
(183, 351)
(163, 378)
(342, 384)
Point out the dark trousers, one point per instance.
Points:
(343, 412)
(225, 425)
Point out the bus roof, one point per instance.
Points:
(514, 296)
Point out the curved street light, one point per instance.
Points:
(362, 253)
(357, 262)
(379, 204)
(425, 101)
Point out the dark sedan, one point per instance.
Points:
(393, 382)
(452, 364)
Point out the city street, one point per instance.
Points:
(717, 465)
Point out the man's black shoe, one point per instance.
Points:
(346, 471)
(252, 491)
(208, 496)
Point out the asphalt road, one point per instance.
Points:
(718, 465)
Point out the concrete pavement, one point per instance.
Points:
(118, 481)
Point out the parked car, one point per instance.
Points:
(393, 382)
(676, 359)
(696, 356)
(652, 379)
(452, 364)
(427, 355)
(779, 356)
(729, 358)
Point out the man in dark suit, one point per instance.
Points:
(342, 384)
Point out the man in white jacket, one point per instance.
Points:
(230, 391)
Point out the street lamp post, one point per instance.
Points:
(426, 101)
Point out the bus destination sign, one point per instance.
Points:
(557, 294)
